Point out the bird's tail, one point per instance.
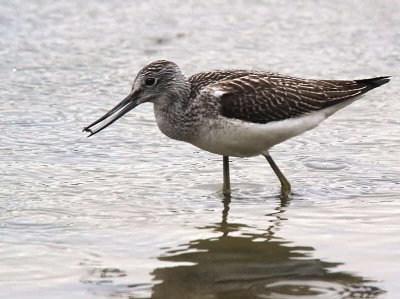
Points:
(374, 82)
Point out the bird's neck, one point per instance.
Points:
(171, 115)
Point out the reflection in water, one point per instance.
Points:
(237, 265)
(252, 266)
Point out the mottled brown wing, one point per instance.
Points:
(204, 79)
(262, 99)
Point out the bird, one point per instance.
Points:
(236, 112)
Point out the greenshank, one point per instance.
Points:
(238, 113)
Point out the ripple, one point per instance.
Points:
(316, 289)
(326, 164)
(36, 217)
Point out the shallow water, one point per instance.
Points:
(129, 213)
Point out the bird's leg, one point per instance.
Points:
(285, 185)
(226, 186)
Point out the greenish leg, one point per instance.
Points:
(226, 187)
(285, 185)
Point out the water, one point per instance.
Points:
(129, 213)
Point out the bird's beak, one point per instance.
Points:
(126, 105)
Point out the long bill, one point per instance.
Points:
(124, 107)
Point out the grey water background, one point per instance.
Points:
(129, 213)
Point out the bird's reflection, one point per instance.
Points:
(252, 266)
(236, 264)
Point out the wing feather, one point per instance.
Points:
(262, 99)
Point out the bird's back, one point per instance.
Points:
(262, 97)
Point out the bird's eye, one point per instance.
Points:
(150, 81)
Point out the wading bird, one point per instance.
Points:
(236, 113)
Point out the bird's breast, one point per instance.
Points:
(174, 125)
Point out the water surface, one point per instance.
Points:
(129, 213)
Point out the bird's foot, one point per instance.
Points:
(286, 190)
(225, 191)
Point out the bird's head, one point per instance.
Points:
(159, 82)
